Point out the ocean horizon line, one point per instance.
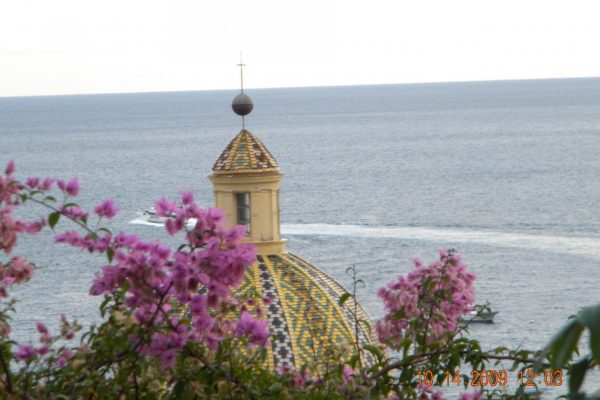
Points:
(233, 89)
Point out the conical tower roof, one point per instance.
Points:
(245, 154)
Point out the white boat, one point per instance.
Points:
(486, 317)
(149, 214)
(480, 314)
(150, 211)
(156, 220)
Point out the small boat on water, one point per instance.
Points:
(150, 211)
(480, 314)
(156, 220)
(149, 215)
(486, 317)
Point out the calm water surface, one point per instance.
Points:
(506, 172)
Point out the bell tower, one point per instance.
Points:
(246, 183)
(305, 315)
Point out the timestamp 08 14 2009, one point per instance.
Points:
(492, 378)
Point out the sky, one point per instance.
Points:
(109, 46)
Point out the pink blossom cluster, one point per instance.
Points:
(471, 396)
(429, 393)
(17, 270)
(299, 378)
(254, 329)
(10, 227)
(429, 301)
(198, 277)
(28, 352)
(156, 278)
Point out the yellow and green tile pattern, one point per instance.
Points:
(245, 154)
(304, 315)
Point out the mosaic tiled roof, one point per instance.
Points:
(304, 316)
(245, 153)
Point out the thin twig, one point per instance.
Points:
(406, 362)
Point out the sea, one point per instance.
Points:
(505, 172)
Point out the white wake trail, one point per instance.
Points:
(576, 245)
(588, 246)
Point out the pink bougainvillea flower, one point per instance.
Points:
(72, 187)
(16, 271)
(448, 297)
(164, 208)
(33, 182)
(25, 352)
(106, 209)
(65, 356)
(4, 329)
(471, 396)
(74, 212)
(47, 184)
(187, 198)
(255, 329)
(10, 168)
(41, 328)
(348, 374)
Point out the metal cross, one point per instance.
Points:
(241, 65)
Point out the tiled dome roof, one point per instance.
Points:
(304, 315)
(245, 154)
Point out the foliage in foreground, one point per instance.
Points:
(173, 328)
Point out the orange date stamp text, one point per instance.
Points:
(491, 378)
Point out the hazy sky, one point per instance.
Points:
(90, 46)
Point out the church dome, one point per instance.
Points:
(304, 314)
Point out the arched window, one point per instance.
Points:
(243, 209)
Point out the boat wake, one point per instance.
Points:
(576, 245)
(586, 246)
(144, 221)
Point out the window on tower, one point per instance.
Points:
(243, 209)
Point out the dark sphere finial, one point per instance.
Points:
(242, 104)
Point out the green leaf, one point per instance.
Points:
(50, 198)
(577, 374)
(104, 305)
(590, 317)
(343, 298)
(110, 254)
(53, 219)
(374, 350)
(595, 344)
(366, 325)
(564, 344)
(275, 388)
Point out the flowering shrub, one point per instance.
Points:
(426, 306)
(152, 293)
(173, 326)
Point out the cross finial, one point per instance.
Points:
(242, 104)
(241, 65)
